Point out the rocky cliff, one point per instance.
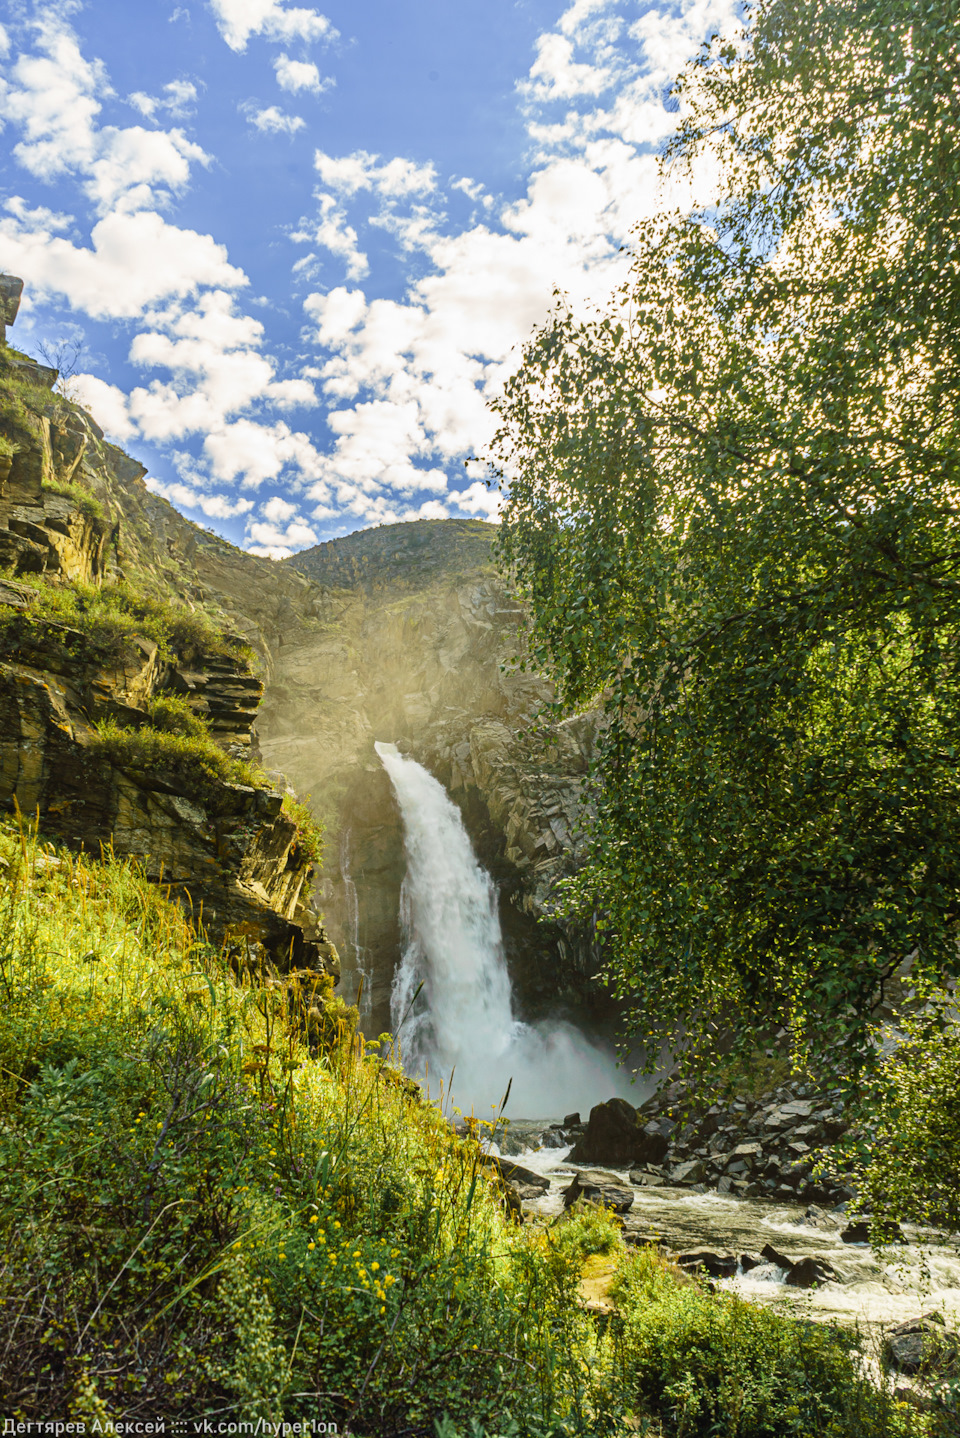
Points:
(403, 633)
(123, 720)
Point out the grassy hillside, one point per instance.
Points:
(213, 1202)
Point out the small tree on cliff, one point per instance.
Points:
(733, 502)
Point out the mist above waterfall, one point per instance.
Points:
(451, 1005)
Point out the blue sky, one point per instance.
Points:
(301, 248)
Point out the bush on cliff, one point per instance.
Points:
(201, 1216)
(86, 502)
(113, 615)
(191, 762)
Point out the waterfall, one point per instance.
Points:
(357, 965)
(462, 1018)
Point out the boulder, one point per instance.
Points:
(647, 1177)
(604, 1189)
(749, 1261)
(516, 1173)
(614, 1136)
(571, 1120)
(716, 1264)
(808, 1271)
(816, 1217)
(920, 1345)
(769, 1254)
(693, 1171)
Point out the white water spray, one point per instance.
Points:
(453, 953)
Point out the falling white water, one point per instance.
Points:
(463, 1018)
(357, 961)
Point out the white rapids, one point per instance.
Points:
(451, 1005)
(870, 1290)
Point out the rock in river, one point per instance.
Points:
(601, 1188)
(614, 1136)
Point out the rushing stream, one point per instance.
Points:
(908, 1278)
(451, 1006)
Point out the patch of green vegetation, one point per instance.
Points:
(172, 714)
(86, 502)
(110, 617)
(309, 828)
(204, 1210)
(7, 447)
(186, 757)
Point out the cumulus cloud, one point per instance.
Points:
(409, 380)
(394, 179)
(335, 234)
(268, 539)
(134, 260)
(239, 20)
(295, 75)
(54, 97)
(108, 402)
(214, 506)
(178, 100)
(273, 121)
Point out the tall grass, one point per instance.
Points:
(110, 617)
(213, 1204)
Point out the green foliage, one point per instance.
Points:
(21, 402)
(309, 828)
(586, 1230)
(113, 615)
(910, 1157)
(181, 750)
(86, 502)
(7, 447)
(708, 1365)
(198, 1217)
(172, 714)
(733, 507)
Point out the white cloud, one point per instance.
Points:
(270, 540)
(215, 506)
(340, 238)
(54, 96)
(555, 75)
(479, 500)
(274, 122)
(238, 20)
(108, 403)
(4, 42)
(277, 510)
(178, 99)
(410, 379)
(135, 260)
(295, 75)
(395, 179)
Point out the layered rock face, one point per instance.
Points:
(74, 510)
(410, 641)
(229, 854)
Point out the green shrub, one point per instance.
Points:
(7, 447)
(185, 756)
(86, 502)
(113, 615)
(586, 1230)
(172, 714)
(711, 1364)
(309, 829)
